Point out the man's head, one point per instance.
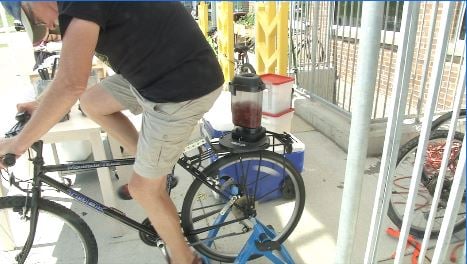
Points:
(37, 17)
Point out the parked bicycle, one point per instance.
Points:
(302, 51)
(301, 45)
(241, 48)
(225, 200)
(431, 167)
(242, 63)
(442, 122)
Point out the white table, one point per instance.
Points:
(80, 128)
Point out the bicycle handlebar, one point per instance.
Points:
(9, 160)
(22, 117)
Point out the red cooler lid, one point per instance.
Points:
(270, 78)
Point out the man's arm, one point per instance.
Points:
(69, 83)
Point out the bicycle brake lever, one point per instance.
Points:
(12, 180)
(22, 118)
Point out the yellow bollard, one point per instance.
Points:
(203, 17)
(282, 38)
(225, 38)
(271, 45)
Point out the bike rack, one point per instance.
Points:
(260, 243)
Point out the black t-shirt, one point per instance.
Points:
(156, 46)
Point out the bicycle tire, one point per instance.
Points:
(402, 174)
(262, 165)
(51, 233)
(445, 119)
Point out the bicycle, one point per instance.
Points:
(241, 49)
(242, 63)
(404, 166)
(219, 209)
(431, 168)
(300, 41)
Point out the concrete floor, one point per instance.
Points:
(313, 241)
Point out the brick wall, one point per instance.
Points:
(344, 55)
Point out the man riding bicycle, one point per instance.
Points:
(165, 69)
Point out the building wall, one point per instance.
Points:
(344, 54)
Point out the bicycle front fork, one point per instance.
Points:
(31, 207)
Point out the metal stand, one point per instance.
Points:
(260, 243)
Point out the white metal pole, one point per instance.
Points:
(427, 57)
(358, 139)
(435, 81)
(393, 131)
(314, 35)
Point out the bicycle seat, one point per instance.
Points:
(241, 48)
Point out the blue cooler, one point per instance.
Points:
(218, 121)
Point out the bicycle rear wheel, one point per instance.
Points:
(423, 201)
(264, 177)
(61, 235)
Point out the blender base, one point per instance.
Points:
(239, 146)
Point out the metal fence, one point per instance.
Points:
(324, 41)
(420, 71)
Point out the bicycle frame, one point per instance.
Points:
(39, 177)
(186, 162)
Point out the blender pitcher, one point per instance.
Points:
(247, 95)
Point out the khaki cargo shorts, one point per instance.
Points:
(166, 127)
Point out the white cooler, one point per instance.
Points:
(277, 97)
(280, 122)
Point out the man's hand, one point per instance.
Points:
(7, 145)
(28, 107)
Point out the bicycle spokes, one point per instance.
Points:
(254, 183)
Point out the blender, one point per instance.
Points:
(246, 98)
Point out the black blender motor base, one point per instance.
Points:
(245, 139)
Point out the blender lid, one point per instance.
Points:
(246, 82)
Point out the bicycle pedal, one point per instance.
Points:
(151, 240)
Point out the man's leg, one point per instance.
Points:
(162, 139)
(152, 195)
(166, 128)
(104, 109)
